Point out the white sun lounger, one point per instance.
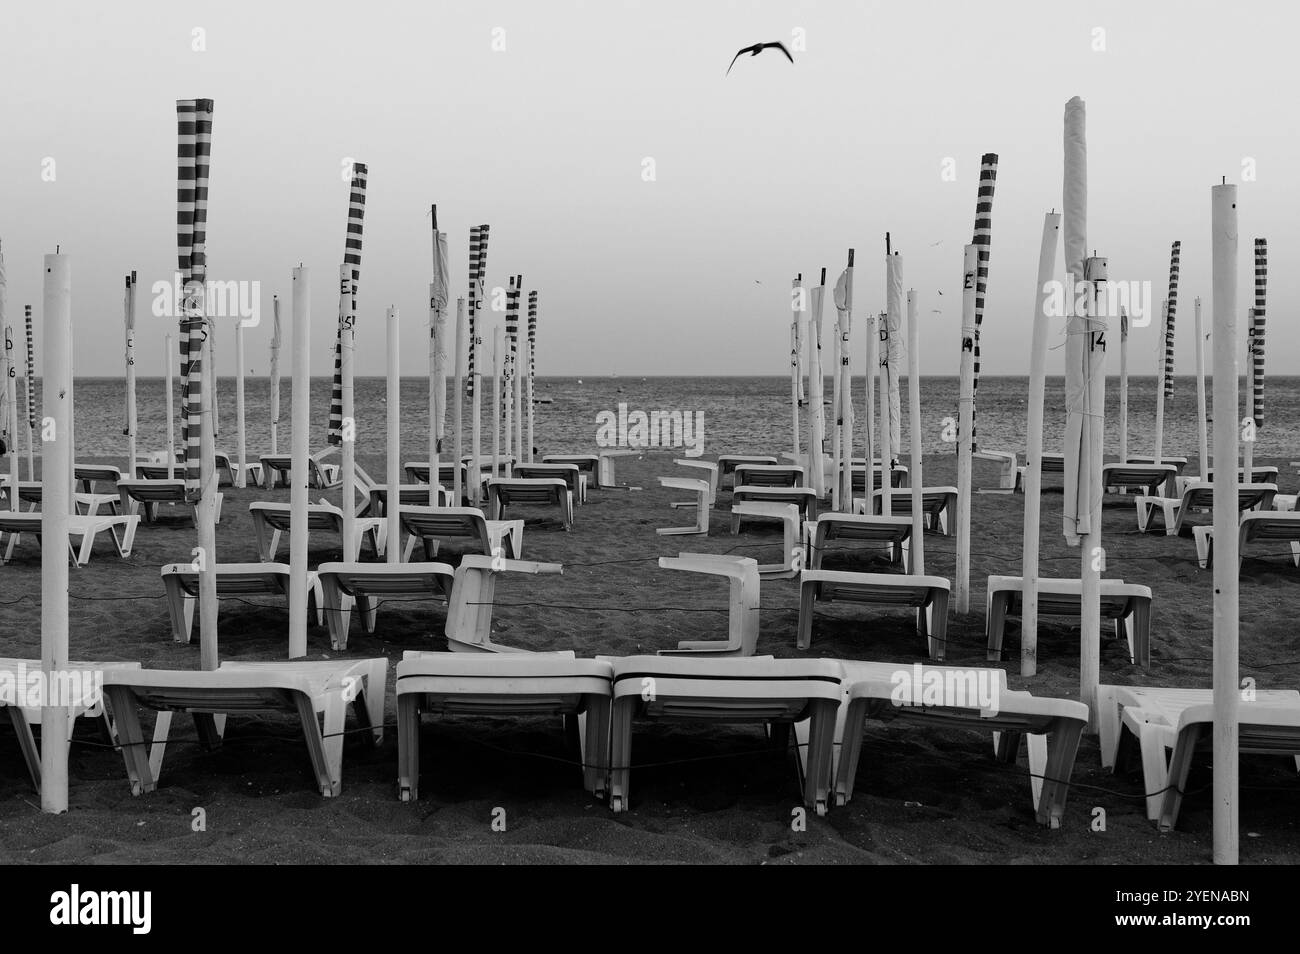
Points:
(1267, 526)
(791, 558)
(936, 504)
(1175, 510)
(588, 465)
(727, 463)
(547, 492)
(270, 520)
(90, 475)
(1168, 724)
(805, 498)
(33, 492)
(16, 679)
(317, 692)
(769, 475)
(539, 684)
(894, 533)
(1007, 464)
(858, 476)
(702, 502)
(927, 594)
(120, 528)
(473, 591)
(1052, 727)
(370, 584)
(1128, 604)
(411, 495)
(759, 689)
(742, 614)
(148, 494)
(1048, 464)
(428, 526)
(277, 469)
(234, 581)
(571, 474)
(417, 472)
(1149, 478)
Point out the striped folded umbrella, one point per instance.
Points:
(1257, 330)
(478, 249)
(983, 240)
(1172, 307)
(31, 370)
(532, 337)
(193, 158)
(512, 338)
(348, 294)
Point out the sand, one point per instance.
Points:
(922, 795)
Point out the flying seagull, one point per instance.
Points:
(758, 48)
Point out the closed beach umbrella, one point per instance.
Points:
(1257, 332)
(983, 242)
(532, 368)
(277, 340)
(1077, 484)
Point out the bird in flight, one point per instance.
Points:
(758, 48)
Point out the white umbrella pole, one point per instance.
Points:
(458, 392)
(1226, 570)
(1034, 445)
(497, 336)
(837, 500)
(9, 369)
(1202, 433)
(240, 478)
(393, 513)
(56, 460)
(914, 426)
(1092, 556)
(1248, 445)
(130, 377)
(882, 432)
(965, 416)
(206, 512)
(845, 472)
(1123, 386)
(275, 379)
(794, 385)
(1160, 383)
(818, 452)
(300, 450)
(517, 369)
(869, 387)
(348, 451)
(171, 418)
(437, 391)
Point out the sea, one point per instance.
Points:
(735, 414)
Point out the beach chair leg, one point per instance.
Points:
(1155, 768)
(807, 600)
(1140, 648)
(938, 641)
(139, 769)
(408, 747)
(26, 742)
(996, 624)
(326, 763)
(185, 631)
(850, 750)
(337, 615)
(1062, 745)
(620, 769)
(1180, 765)
(161, 729)
(821, 740)
(1204, 545)
(369, 610)
(317, 595)
(596, 753)
(1107, 725)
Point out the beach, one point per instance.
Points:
(698, 794)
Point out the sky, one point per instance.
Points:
(545, 120)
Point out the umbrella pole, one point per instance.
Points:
(1226, 555)
(845, 473)
(130, 376)
(886, 462)
(56, 460)
(206, 514)
(240, 480)
(837, 500)
(1032, 482)
(914, 427)
(393, 509)
(171, 421)
(348, 451)
(1092, 556)
(458, 412)
(516, 377)
(965, 418)
(300, 450)
(437, 387)
(1160, 383)
(498, 357)
(869, 386)
(794, 385)
(1123, 386)
(889, 409)
(819, 387)
(1248, 441)
(1202, 432)
(275, 381)
(10, 411)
